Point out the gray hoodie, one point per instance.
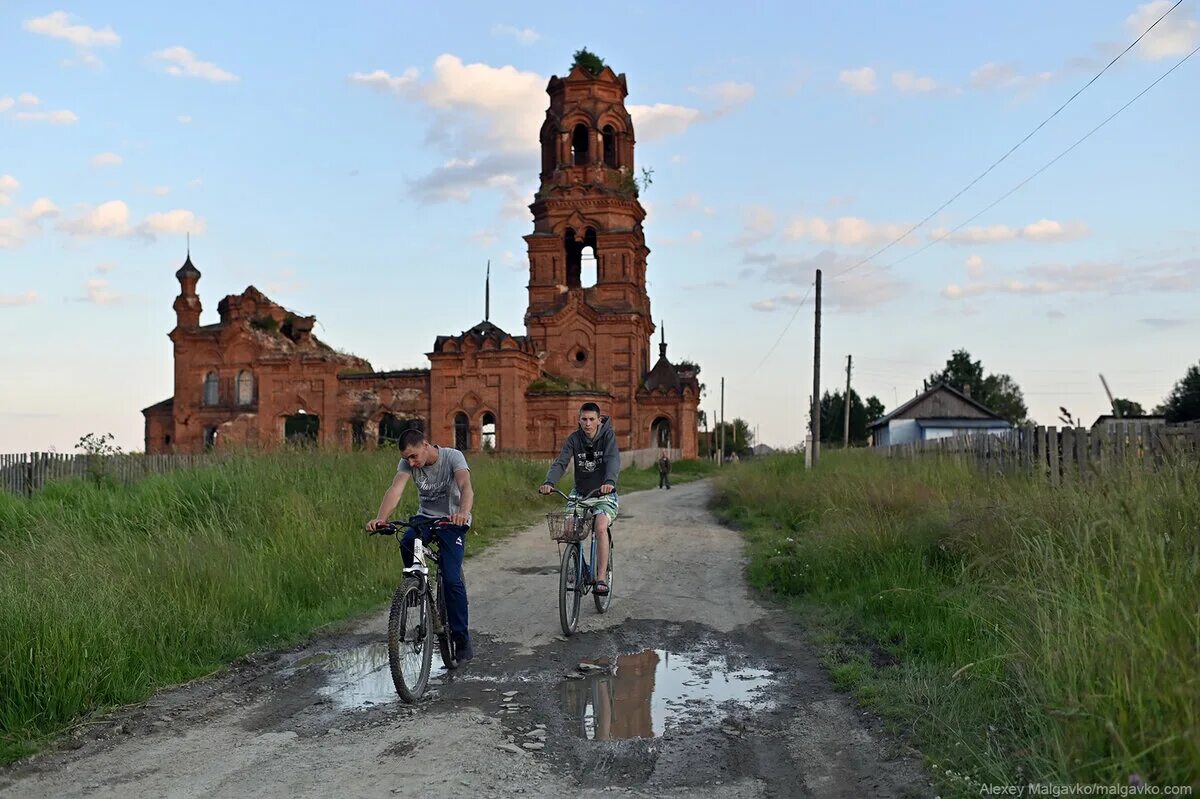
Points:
(596, 462)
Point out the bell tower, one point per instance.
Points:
(587, 220)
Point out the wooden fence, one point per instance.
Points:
(26, 473)
(1064, 454)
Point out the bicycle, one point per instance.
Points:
(575, 579)
(418, 613)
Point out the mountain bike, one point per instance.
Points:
(418, 614)
(570, 528)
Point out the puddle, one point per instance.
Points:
(361, 677)
(653, 690)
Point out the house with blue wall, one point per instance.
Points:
(939, 412)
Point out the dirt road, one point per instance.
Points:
(714, 691)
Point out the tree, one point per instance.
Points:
(1126, 407)
(1183, 403)
(998, 393)
(833, 421)
(589, 61)
(738, 437)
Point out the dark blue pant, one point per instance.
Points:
(451, 540)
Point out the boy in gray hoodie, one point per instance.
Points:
(593, 450)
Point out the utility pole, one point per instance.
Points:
(721, 456)
(816, 397)
(846, 406)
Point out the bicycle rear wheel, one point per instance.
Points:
(570, 592)
(602, 602)
(410, 640)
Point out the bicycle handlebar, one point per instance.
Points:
(393, 527)
(591, 494)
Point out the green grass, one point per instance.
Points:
(1017, 631)
(109, 593)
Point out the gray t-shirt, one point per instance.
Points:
(436, 486)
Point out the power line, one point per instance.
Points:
(785, 330)
(1046, 166)
(1011, 150)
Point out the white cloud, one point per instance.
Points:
(14, 230)
(8, 187)
(859, 81)
(61, 25)
(1176, 35)
(679, 159)
(696, 235)
(526, 36)
(727, 95)
(52, 117)
(174, 221)
(1088, 278)
(13, 300)
(183, 119)
(383, 81)
(847, 230)
(195, 183)
(974, 264)
(6, 103)
(758, 224)
(853, 291)
(911, 83)
(113, 220)
(484, 238)
(105, 267)
(106, 159)
(993, 76)
(1046, 230)
(660, 120)
(97, 292)
(107, 219)
(160, 191)
(28, 99)
(182, 62)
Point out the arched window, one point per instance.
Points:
(660, 432)
(462, 432)
(578, 261)
(610, 146)
(212, 394)
(245, 388)
(579, 144)
(390, 429)
(487, 438)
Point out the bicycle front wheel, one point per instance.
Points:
(410, 640)
(445, 643)
(602, 602)
(570, 592)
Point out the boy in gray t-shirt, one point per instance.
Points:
(444, 487)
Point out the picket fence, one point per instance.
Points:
(1066, 453)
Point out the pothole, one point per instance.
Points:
(652, 691)
(534, 569)
(362, 677)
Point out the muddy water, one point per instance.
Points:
(361, 677)
(651, 691)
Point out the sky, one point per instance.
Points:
(344, 157)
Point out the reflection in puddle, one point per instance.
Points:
(362, 677)
(653, 689)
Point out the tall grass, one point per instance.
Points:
(109, 593)
(1020, 631)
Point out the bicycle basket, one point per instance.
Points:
(567, 528)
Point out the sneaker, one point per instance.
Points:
(463, 651)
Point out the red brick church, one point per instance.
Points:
(259, 376)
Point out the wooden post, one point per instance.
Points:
(846, 408)
(1052, 444)
(1083, 449)
(1068, 453)
(816, 397)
